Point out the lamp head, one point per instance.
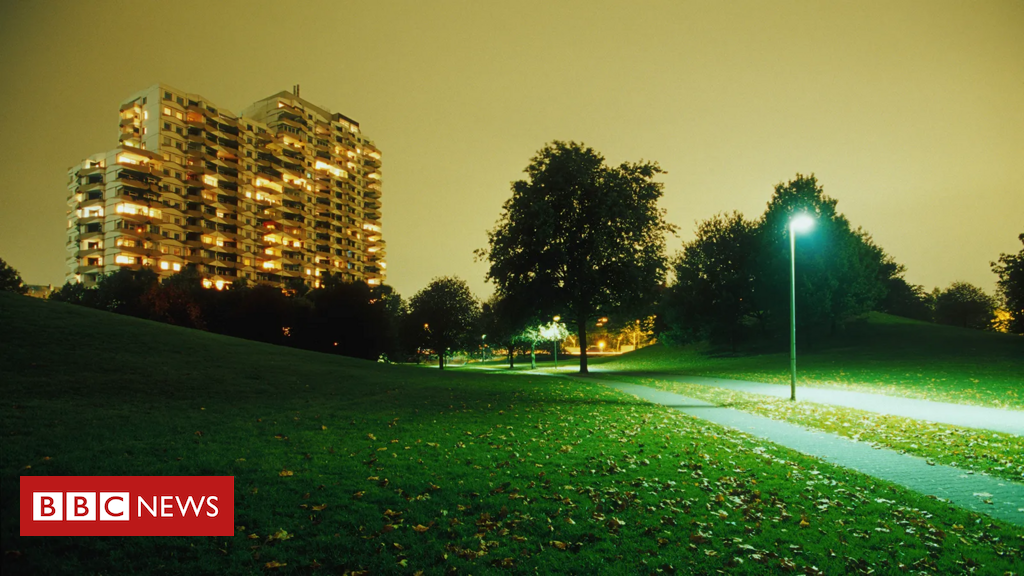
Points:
(801, 222)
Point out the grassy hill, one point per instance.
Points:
(344, 466)
(882, 353)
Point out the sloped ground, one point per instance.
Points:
(880, 354)
(345, 466)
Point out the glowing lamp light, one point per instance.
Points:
(802, 222)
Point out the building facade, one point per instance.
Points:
(282, 193)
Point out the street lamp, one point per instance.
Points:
(557, 319)
(799, 223)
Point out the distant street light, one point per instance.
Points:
(556, 319)
(483, 348)
(799, 223)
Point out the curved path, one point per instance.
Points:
(995, 419)
(995, 497)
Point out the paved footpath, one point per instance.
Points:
(968, 491)
(995, 419)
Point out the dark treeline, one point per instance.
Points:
(732, 281)
(348, 318)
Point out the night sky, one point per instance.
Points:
(910, 113)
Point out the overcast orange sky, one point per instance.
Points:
(910, 113)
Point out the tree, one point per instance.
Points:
(349, 318)
(533, 334)
(1010, 269)
(905, 299)
(839, 270)
(497, 320)
(965, 305)
(394, 309)
(122, 291)
(579, 238)
(75, 293)
(447, 312)
(10, 280)
(177, 300)
(713, 294)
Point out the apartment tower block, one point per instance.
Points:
(282, 193)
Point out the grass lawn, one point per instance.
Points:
(881, 354)
(993, 453)
(344, 466)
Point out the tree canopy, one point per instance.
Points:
(714, 281)
(964, 305)
(10, 279)
(447, 312)
(839, 270)
(1010, 269)
(579, 238)
(735, 273)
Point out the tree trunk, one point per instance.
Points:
(581, 334)
(511, 357)
(533, 356)
(440, 360)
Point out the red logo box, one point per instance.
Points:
(127, 505)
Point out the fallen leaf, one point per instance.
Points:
(281, 535)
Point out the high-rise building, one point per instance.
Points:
(284, 192)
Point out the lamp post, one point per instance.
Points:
(799, 223)
(556, 319)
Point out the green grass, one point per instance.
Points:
(396, 470)
(881, 354)
(996, 454)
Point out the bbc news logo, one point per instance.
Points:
(127, 505)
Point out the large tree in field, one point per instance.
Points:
(713, 295)
(840, 271)
(444, 315)
(1010, 268)
(580, 239)
(965, 305)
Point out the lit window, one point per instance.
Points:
(210, 180)
(165, 265)
(167, 111)
(176, 266)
